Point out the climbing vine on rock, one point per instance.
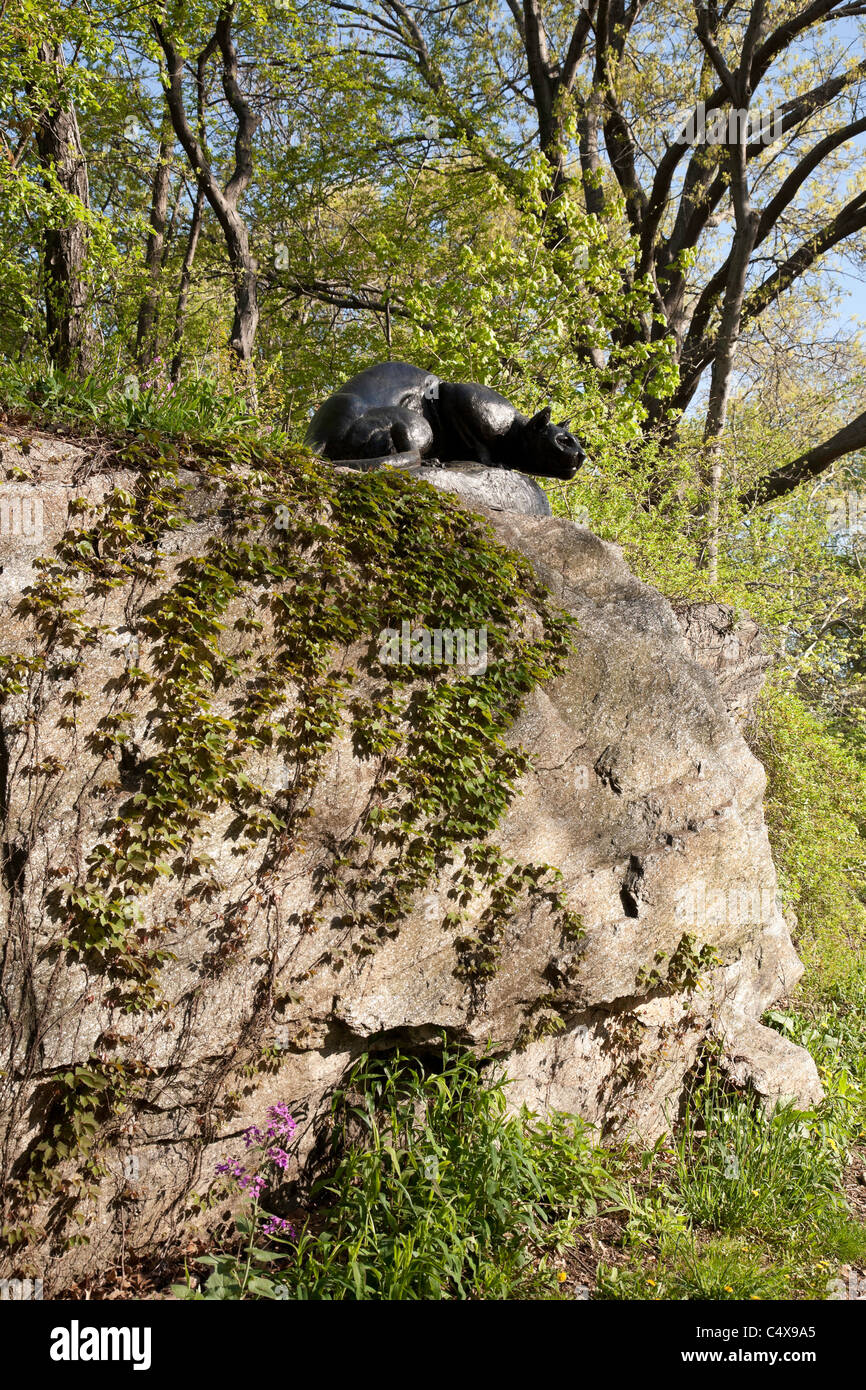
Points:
(267, 642)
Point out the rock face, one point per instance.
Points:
(640, 789)
(648, 798)
(729, 647)
(498, 489)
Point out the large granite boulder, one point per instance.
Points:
(640, 789)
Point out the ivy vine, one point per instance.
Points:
(302, 565)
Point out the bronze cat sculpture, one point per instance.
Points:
(394, 408)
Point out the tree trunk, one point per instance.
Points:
(58, 140)
(745, 235)
(224, 202)
(245, 280)
(185, 282)
(145, 338)
(720, 384)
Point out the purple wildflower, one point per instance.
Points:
(281, 1120)
(277, 1226)
(254, 1183)
(280, 1126)
(233, 1167)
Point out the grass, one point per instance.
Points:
(736, 1169)
(432, 1190)
(830, 1023)
(718, 1269)
(738, 1204)
(149, 400)
(742, 1205)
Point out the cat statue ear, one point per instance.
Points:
(563, 424)
(541, 420)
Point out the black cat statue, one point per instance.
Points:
(394, 408)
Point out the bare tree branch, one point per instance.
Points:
(810, 464)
